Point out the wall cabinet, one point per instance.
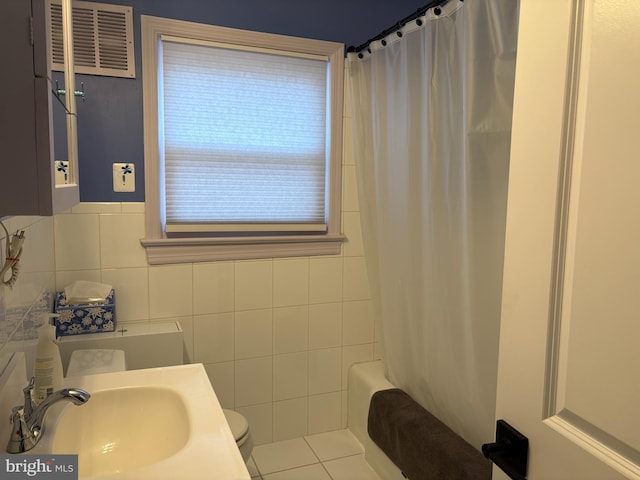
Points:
(28, 183)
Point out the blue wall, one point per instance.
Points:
(110, 125)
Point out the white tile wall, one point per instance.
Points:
(77, 241)
(38, 247)
(260, 418)
(325, 370)
(358, 324)
(254, 285)
(325, 412)
(215, 340)
(290, 418)
(22, 305)
(64, 278)
(119, 241)
(253, 381)
(290, 329)
(349, 194)
(290, 376)
(325, 279)
(290, 282)
(276, 336)
(325, 325)
(170, 291)
(132, 294)
(253, 333)
(353, 246)
(213, 287)
(221, 374)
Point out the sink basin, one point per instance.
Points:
(158, 423)
(115, 423)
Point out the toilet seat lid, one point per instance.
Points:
(95, 360)
(238, 424)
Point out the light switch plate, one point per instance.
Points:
(124, 177)
(62, 172)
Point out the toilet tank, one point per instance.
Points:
(145, 345)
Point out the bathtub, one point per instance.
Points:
(364, 380)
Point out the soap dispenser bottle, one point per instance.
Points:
(48, 365)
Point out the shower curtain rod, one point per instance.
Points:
(398, 25)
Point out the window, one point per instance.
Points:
(243, 143)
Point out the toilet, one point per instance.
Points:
(91, 361)
(240, 430)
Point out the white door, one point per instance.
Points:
(569, 367)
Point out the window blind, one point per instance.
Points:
(245, 139)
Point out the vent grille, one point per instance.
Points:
(102, 39)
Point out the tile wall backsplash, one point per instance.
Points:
(276, 336)
(23, 305)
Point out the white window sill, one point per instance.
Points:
(191, 250)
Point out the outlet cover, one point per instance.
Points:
(124, 177)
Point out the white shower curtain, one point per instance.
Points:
(431, 124)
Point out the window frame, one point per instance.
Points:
(162, 249)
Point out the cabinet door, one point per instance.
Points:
(17, 112)
(26, 126)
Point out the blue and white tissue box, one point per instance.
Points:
(77, 319)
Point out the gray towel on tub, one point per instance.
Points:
(418, 443)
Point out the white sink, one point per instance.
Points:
(158, 423)
(115, 423)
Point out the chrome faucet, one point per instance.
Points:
(28, 420)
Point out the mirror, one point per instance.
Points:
(60, 132)
(64, 109)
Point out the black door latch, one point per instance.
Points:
(510, 451)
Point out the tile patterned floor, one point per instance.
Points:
(324, 456)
